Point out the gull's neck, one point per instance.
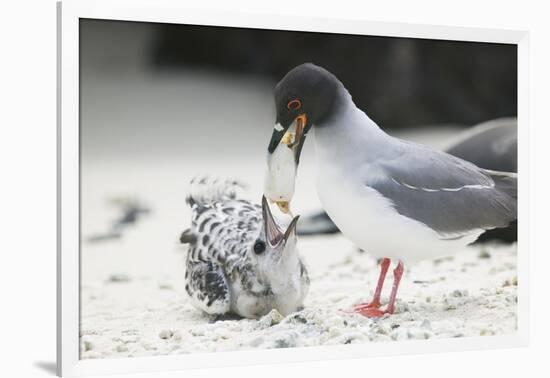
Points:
(350, 135)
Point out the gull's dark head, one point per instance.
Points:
(306, 96)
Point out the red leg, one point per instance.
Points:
(375, 303)
(375, 312)
(397, 274)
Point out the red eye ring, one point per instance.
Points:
(294, 104)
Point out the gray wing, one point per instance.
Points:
(448, 194)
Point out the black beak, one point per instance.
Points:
(276, 137)
(302, 127)
(273, 233)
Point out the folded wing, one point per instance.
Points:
(450, 195)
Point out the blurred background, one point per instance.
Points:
(401, 82)
(152, 86)
(162, 103)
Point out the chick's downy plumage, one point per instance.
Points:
(240, 260)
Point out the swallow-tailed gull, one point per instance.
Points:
(392, 198)
(489, 145)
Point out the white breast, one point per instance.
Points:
(370, 221)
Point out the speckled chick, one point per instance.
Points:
(240, 261)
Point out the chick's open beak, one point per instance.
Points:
(291, 230)
(273, 233)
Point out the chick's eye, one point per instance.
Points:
(294, 104)
(259, 247)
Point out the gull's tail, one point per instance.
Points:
(506, 182)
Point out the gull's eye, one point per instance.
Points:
(294, 105)
(259, 247)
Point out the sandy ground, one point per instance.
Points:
(140, 142)
(134, 303)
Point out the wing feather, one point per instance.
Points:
(448, 194)
(207, 286)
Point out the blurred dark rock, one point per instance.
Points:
(130, 212)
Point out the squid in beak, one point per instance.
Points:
(283, 158)
(274, 235)
(293, 140)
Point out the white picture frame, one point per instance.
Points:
(69, 13)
